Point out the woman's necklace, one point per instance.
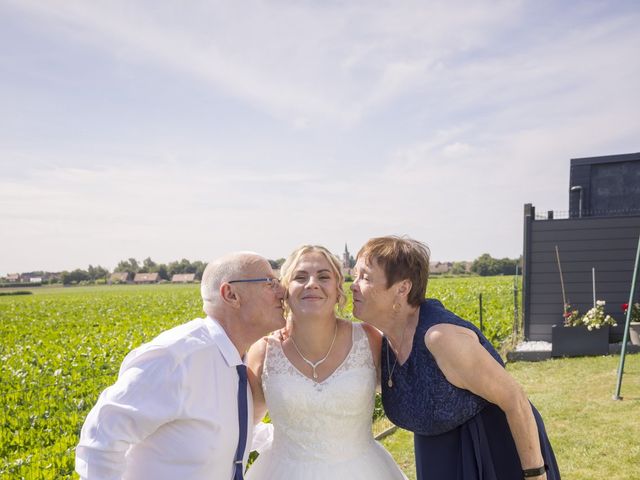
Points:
(319, 362)
(390, 374)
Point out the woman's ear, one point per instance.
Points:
(404, 287)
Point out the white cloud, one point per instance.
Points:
(327, 63)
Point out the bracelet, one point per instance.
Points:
(534, 472)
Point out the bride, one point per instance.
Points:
(318, 382)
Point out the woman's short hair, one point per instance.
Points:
(288, 268)
(401, 258)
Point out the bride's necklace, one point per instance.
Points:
(397, 354)
(321, 361)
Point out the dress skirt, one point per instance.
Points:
(480, 449)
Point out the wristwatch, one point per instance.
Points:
(534, 472)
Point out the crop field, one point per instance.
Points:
(60, 347)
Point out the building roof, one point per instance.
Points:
(183, 277)
(119, 276)
(146, 277)
(439, 267)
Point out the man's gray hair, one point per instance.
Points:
(226, 268)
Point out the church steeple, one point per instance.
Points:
(346, 257)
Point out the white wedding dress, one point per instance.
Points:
(322, 431)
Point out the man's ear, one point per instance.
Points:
(229, 295)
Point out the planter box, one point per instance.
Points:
(578, 341)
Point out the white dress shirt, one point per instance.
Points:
(172, 413)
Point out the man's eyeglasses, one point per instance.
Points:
(274, 283)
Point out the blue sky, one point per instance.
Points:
(191, 129)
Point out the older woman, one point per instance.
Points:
(442, 379)
(318, 381)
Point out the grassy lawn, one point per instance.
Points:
(593, 436)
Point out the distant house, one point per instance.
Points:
(183, 278)
(13, 277)
(30, 278)
(146, 278)
(440, 267)
(120, 277)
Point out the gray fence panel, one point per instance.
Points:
(607, 244)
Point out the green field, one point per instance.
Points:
(61, 346)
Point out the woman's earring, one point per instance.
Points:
(396, 307)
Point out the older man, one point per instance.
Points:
(180, 406)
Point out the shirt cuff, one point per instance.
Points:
(262, 437)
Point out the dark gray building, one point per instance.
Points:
(600, 232)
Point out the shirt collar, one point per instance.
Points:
(227, 348)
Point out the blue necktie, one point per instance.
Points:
(242, 421)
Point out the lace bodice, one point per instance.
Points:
(321, 420)
(421, 399)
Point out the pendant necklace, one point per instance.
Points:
(390, 374)
(321, 361)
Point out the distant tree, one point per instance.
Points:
(459, 268)
(97, 272)
(199, 266)
(135, 267)
(486, 265)
(130, 265)
(76, 276)
(148, 266)
(508, 266)
(183, 266)
(163, 271)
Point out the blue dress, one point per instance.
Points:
(457, 434)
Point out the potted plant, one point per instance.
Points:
(582, 335)
(634, 327)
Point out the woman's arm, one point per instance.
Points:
(255, 364)
(467, 364)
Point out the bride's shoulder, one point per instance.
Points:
(375, 341)
(375, 335)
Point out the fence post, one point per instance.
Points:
(625, 336)
(529, 217)
(515, 303)
(480, 300)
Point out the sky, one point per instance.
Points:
(192, 129)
